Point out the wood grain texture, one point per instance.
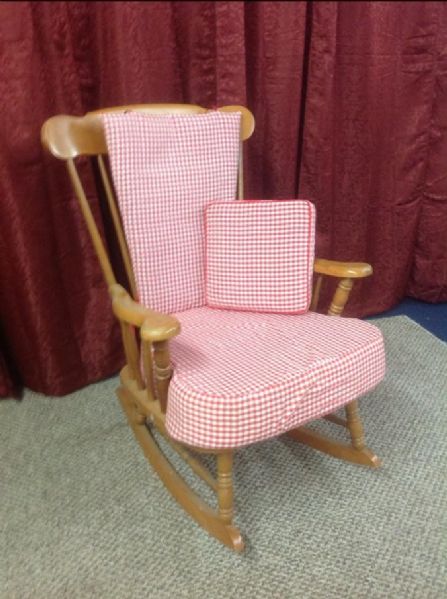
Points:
(162, 372)
(68, 137)
(343, 451)
(225, 486)
(340, 298)
(351, 270)
(116, 218)
(154, 326)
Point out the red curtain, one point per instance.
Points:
(350, 106)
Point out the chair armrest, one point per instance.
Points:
(342, 270)
(154, 326)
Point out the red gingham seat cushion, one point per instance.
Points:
(242, 377)
(260, 255)
(165, 169)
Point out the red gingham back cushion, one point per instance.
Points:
(165, 169)
(259, 255)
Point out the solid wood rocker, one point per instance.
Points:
(144, 391)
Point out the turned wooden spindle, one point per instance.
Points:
(225, 486)
(113, 207)
(97, 241)
(162, 371)
(148, 368)
(355, 425)
(316, 294)
(132, 358)
(131, 352)
(340, 297)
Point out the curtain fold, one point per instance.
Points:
(350, 107)
(375, 92)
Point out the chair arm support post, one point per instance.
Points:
(225, 485)
(162, 372)
(156, 329)
(346, 271)
(340, 298)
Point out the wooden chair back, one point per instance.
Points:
(70, 137)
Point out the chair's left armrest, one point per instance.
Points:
(342, 270)
(156, 329)
(154, 326)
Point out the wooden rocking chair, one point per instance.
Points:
(148, 336)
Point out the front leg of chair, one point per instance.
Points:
(225, 486)
(145, 407)
(356, 452)
(355, 425)
(218, 523)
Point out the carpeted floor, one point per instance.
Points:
(82, 515)
(432, 317)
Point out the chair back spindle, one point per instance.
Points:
(69, 137)
(116, 218)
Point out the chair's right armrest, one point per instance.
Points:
(154, 326)
(346, 272)
(342, 270)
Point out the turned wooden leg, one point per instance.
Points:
(355, 425)
(225, 486)
(340, 297)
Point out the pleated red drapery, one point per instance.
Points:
(351, 111)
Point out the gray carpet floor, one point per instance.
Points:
(83, 516)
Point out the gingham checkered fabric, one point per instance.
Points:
(241, 377)
(260, 255)
(165, 170)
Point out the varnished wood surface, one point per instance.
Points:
(97, 241)
(342, 270)
(132, 353)
(316, 293)
(225, 485)
(116, 218)
(162, 372)
(68, 137)
(340, 298)
(155, 326)
(355, 426)
(343, 451)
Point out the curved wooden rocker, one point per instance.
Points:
(219, 524)
(146, 334)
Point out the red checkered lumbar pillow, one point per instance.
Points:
(259, 255)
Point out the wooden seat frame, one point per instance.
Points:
(147, 331)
